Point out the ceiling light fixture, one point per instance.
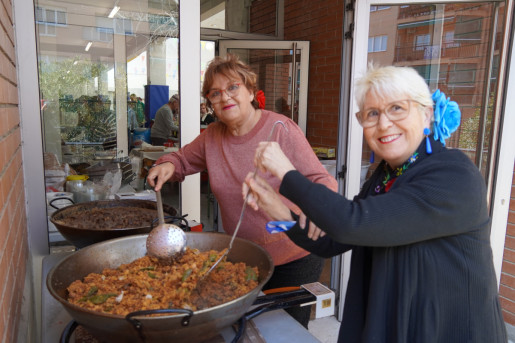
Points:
(114, 11)
(88, 46)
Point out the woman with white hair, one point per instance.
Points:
(419, 230)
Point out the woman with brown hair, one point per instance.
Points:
(226, 150)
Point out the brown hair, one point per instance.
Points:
(230, 67)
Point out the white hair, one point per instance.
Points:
(393, 82)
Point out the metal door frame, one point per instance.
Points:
(303, 46)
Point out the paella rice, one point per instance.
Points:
(149, 284)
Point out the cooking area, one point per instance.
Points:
(205, 323)
(82, 85)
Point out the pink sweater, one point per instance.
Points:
(229, 159)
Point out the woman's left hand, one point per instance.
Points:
(314, 232)
(263, 196)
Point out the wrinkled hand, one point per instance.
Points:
(159, 174)
(263, 196)
(270, 157)
(314, 232)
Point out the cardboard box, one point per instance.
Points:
(325, 299)
(324, 152)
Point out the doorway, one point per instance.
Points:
(282, 68)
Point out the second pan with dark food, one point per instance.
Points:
(91, 222)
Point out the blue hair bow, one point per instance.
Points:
(447, 116)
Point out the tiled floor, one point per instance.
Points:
(510, 329)
(325, 329)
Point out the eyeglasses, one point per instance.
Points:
(215, 95)
(394, 111)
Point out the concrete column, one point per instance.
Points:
(120, 84)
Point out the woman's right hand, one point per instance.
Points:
(270, 157)
(159, 174)
(263, 196)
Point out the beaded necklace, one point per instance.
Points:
(391, 175)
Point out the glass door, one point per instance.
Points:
(455, 47)
(282, 74)
(104, 70)
(458, 47)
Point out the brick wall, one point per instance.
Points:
(13, 225)
(321, 23)
(507, 287)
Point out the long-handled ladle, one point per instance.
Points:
(165, 241)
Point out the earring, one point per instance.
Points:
(372, 157)
(429, 150)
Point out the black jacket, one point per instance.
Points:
(421, 264)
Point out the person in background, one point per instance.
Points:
(166, 122)
(132, 121)
(139, 108)
(419, 230)
(225, 148)
(206, 117)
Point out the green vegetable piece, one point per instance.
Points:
(93, 290)
(148, 268)
(151, 275)
(100, 298)
(186, 274)
(250, 274)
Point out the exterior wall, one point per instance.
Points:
(13, 225)
(321, 23)
(507, 286)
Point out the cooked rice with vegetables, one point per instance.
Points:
(149, 284)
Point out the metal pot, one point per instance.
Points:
(84, 237)
(193, 327)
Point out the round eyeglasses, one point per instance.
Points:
(394, 111)
(215, 95)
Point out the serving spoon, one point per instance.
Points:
(165, 241)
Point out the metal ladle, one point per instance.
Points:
(242, 209)
(165, 241)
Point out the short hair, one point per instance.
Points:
(173, 98)
(231, 67)
(392, 82)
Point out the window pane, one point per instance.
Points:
(448, 45)
(384, 42)
(239, 16)
(39, 14)
(89, 65)
(50, 16)
(61, 18)
(377, 44)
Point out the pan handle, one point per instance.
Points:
(137, 324)
(139, 327)
(51, 202)
(68, 330)
(178, 220)
(280, 301)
